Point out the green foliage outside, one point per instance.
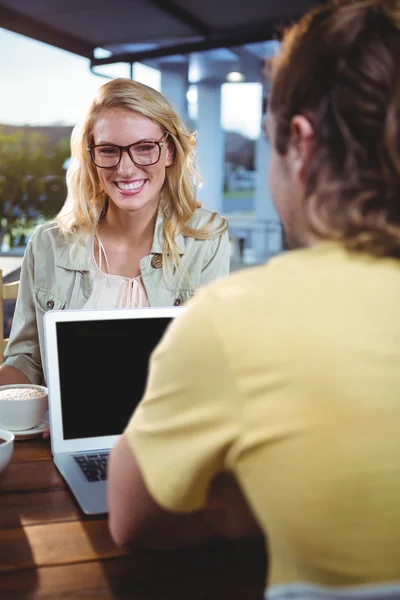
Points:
(32, 182)
(237, 194)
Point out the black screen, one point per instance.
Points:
(103, 372)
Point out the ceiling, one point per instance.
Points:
(154, 32)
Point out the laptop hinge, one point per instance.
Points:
(89, 451)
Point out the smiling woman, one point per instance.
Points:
(131, 232)
(132, 175)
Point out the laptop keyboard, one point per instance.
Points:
(93, 466)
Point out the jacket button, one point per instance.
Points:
(50, 304)
(156, 261)
(177, 302)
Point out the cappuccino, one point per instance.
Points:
(20, 393)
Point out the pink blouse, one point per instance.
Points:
(113, 291)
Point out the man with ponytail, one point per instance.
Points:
(273, 402)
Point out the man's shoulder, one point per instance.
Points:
(252, 281)
(306, 278)
(289, 274)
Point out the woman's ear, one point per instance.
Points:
(301, 145)
(170, 153)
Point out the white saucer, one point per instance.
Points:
(26, 434)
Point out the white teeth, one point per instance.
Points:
(130, 186)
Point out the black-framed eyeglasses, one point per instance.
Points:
(143, 154)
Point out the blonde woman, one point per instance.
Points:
(131, 233)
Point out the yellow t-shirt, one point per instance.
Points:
(288, 375)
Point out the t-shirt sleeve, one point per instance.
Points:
(186, 423)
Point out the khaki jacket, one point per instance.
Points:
(52, 279)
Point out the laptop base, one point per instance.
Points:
(91, 496)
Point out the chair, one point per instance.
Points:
(8, 291)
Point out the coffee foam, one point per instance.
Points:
(20, 393)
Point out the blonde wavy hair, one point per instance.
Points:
(340, 67)
(87, 202)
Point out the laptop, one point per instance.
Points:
(97, 365)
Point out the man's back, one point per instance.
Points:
(313, 341)
(288, 376)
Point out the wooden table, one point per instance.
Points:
(50, 549)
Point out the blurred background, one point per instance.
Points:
(209, 58)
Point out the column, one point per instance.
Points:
(174, 86)
(265, 243)
(210, 145)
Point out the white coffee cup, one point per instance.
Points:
(18, 411)
(6, 447)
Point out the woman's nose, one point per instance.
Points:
(126, 163)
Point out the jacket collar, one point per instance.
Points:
(79, 259)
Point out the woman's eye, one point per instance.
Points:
(108, 150)
(145, 148)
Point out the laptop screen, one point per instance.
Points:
(103, 372)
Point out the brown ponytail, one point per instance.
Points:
(340, 66)
(391, 9)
